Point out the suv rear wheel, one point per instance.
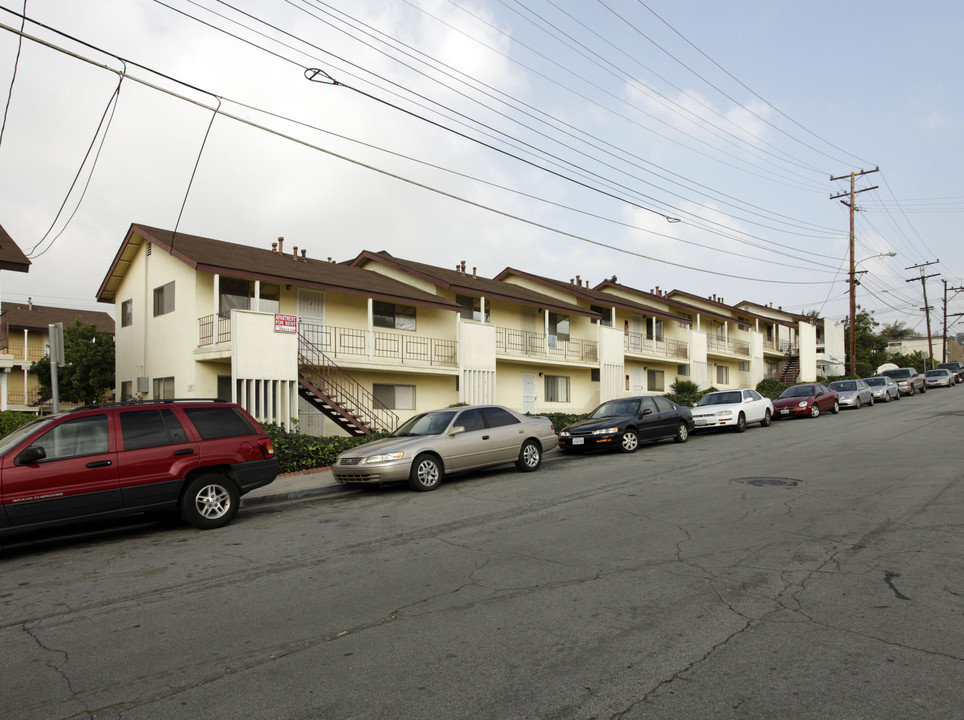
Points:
(210, 501)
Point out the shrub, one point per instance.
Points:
(771, 388)
(296, 451)
(685, 392)
(560, 420)
(10, 420)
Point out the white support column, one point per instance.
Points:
(216, 301)
(371, 328)
(257, 296)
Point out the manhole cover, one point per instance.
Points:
(769, 482)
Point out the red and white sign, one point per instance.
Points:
(285, 323)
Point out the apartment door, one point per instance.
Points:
(311, 317)
(636, 380)
(529, 393)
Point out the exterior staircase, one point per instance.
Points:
(337, 395)
(789, 369)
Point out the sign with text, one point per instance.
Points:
(285, 323)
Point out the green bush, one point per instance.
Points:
(560, 420)
(306, 452)
(685, 392)
(10, 420)
(771, 388)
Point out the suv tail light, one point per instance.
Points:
(267, 448)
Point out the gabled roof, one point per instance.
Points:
(595, 295)
(672, 302)
(795, 316)
(225, 258)
(724, 308)
(38, 317)
(11, 256)
(474, 285)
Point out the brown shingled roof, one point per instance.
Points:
(38, 317)
(474, 284)
(11, 256)
(218, 256)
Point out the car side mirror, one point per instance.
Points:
(30, 456)
(457, 430)
(646, 411)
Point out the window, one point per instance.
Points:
(127, 313)
(683, 370)
(395, 397)
(559, 326)
(497, 417)
(722, 375)
(594, 375)
(557, 388)
(471, 308)
(390, 315)
(471, 420)
(654, 380)
(164, 299)
(647, 403)
(743, 366)
(163, 388)
(654, 329)
(126, 390)
(218, 422)
(270, 295)
(606, 312)
(72, 438)
(234, 294)
(151, 428)
(688, 320)
(663, 404)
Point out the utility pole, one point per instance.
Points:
(926, 308)
(944, 338)
(853, 272)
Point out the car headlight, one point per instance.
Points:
(384, 457)
(563, 433)
(724, 413)
(803, 403)
(605, 431)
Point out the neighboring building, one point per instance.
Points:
(923, 345)
(26, 339)
(364, 344)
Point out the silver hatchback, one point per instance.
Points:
(427, 446)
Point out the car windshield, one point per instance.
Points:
(949, 366)
(798, 391)
(897, 373)
(432, 423)
(875, 382)
(616, 408)
(13, 438)
(937, 373)
(720, 398)
(843, 385)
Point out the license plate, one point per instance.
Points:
(578, 441)
(784, 412)
(701, 421)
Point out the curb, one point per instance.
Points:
(285, 495)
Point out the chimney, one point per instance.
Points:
(29, 303)
(463, 266)
(578, 281)
(587, 283)
(658, 292)
(473, 272)
(281, 244)
(274, 247)
(294, 254)
(303, 255)
(572, 281)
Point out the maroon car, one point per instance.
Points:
(805, 401)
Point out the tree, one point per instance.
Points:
(871, 347)
(88, 372)
(896, 331)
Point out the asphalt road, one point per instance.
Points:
(813, 569)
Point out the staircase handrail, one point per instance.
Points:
(333, 378)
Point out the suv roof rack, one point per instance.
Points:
(135, 403)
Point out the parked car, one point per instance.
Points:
(733, 408)
(956, 368)
(810, 400)
(625, 422)
(884, 388)
(940, 377)
(853, 393)
(433, 444)
(195, 456)
(909, 381)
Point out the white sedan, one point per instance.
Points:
(733, 408)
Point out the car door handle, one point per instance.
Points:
(98, 463)
(485, 437)
(184, 451)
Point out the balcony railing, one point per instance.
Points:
(728, 345)
(639, 343)
(524, 343)
(214, 328)
(33, 353)
(16, 397)
(404, 347)
(784, 346)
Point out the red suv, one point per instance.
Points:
(195, 456)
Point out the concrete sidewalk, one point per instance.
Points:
(294, 486)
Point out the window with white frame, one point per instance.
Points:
(722, 375)
(559, 326)
(395, 397)
(126, 390)
(392, 315)
(605, 312)
(654, 380)
(163, 388)
(164, 299)
(127, 313)
(744, 366)
(688, 322)
(471, 308)
(683, 370)
(654, 329)
(557, 388)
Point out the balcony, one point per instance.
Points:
(406, 348)
(782, 347)
(727, 346)
(33, 353)
(641, 345)
(527, 344)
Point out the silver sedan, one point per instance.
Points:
(884, 388)
(427, 446)
(853, 393)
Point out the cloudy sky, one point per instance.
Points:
(683, 144)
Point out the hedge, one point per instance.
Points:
(11, 420)
(296, 451)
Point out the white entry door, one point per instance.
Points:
(311, 317)
(529, 404)
(636, 380)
